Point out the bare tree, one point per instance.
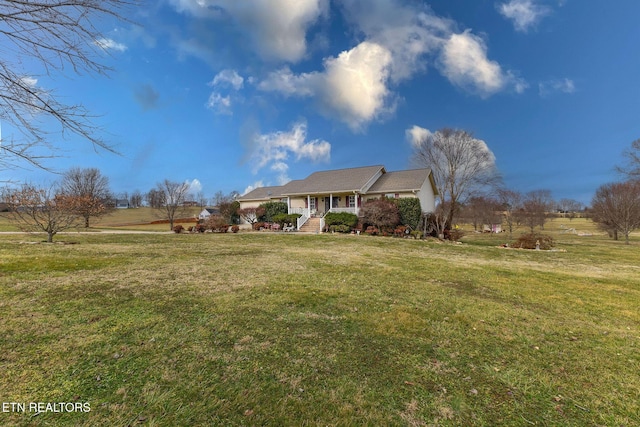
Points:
(135, 200)
(616, 207)
(174, 194)
(461, 165)
(632, 156)
(569, 208)
(511, 204)
(535, 207)
(383, 213)
(251, 215)
(481, 210)
(54, 35)
(155, 198)
(42, 209)
(91, 188)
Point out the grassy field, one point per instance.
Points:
(280, 329)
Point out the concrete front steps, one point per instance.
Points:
(311, 226)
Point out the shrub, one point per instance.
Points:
(271, 209)
(178, 229)
(344, 219)
(382, 213)
(340, 228)
(372, 231)
(217, 223)
(529, 240)
(258, 225)
(235, 228)
(200, 228)
(284, 219)
(410, 211)
(454, 235)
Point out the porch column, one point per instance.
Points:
(289, 205)
(330, 201)
(309, 205)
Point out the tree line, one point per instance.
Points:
(470, 189)
(83, 195)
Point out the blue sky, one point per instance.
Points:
(231, 95)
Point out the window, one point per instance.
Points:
(351, 201)
(312, 206)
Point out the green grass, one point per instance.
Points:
(279, 329)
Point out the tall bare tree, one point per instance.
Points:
(52, 35)
(631, 168)
(461, 165)
(91, 188)
(511, 204)
(616, 207)
(42, 209)
(536, 205)
(135, 200)
(174, 194)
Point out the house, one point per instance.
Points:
(345, 190)
(207, 212)
(122, 204)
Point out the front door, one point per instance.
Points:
(327, 204)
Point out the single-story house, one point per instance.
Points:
(122, 204)
(345, 190)
(207, 212)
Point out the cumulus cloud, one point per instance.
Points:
(274, 150)
(556, 86)
(224, 79)
(195, 186)
(228, 78)
(219, 104)
(465, 63)
(277, 28)
(525, 14)
(110, 44)
(356, 86)
(416, 134)
(352, 87)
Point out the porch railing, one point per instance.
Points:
(300, 222)
(348, 210)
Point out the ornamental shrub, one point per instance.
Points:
(410, 211)
(528, 241)
(346, 219)
(178, 229)
(272, 209)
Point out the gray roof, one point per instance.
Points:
(393, 182)
(346, 181)
(334, 181)
(263, 193)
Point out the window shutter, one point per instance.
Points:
(306, 203)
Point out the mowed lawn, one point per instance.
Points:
(288, 330)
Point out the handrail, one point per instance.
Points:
(301, 220)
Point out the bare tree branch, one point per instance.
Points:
(52, 34)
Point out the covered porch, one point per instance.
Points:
(318, 205)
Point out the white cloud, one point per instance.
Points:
(274, 150)
(465, 63)
(109, 44)
(225, 78)
(356, 86)
(352, 87)
(219, 104)
(194, 186)
(228, 78)
(416, 134)
(29, 81)
(525, 14)
(558, 85)
(277, 28)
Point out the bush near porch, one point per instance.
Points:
(342, 222)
